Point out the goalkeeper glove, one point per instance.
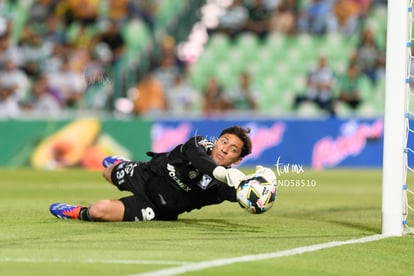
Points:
(266, 173)
(232, 177)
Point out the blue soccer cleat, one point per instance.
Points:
(112, 160)
(65, 211)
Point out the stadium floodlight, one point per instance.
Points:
(396, 119)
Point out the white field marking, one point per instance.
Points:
(258, 257)
(91, 261)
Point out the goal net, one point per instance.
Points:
(408, 187)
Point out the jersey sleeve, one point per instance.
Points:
(197, 150)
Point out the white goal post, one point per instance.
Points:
(395, 120)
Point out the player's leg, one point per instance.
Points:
(107, 172)
(128, 175)
(109, 163)
(130, 208)
(102, 210)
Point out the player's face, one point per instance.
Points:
(227, 149)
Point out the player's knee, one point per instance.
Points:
(107, 210)
(99, 210)
(107, 174)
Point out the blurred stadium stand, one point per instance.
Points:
(278, 64)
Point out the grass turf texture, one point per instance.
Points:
(343, 205)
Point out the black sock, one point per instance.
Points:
(84, 214)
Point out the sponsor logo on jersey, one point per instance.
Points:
(192, 174)
(205, 181)
(174, 177)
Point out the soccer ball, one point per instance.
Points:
(256, 195)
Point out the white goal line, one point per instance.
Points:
(258, 257)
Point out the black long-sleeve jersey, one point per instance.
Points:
(184, 178)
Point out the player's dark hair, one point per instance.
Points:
(242, 133)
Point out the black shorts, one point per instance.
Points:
(134, 176)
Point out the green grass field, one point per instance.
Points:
(339, 205)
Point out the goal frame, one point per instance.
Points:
(395, 118)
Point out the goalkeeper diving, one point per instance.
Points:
(194, 174)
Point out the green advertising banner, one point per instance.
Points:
(81, 142)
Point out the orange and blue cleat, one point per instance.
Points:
(65, 211)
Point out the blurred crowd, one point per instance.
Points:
(325, 87)
(63, 57)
